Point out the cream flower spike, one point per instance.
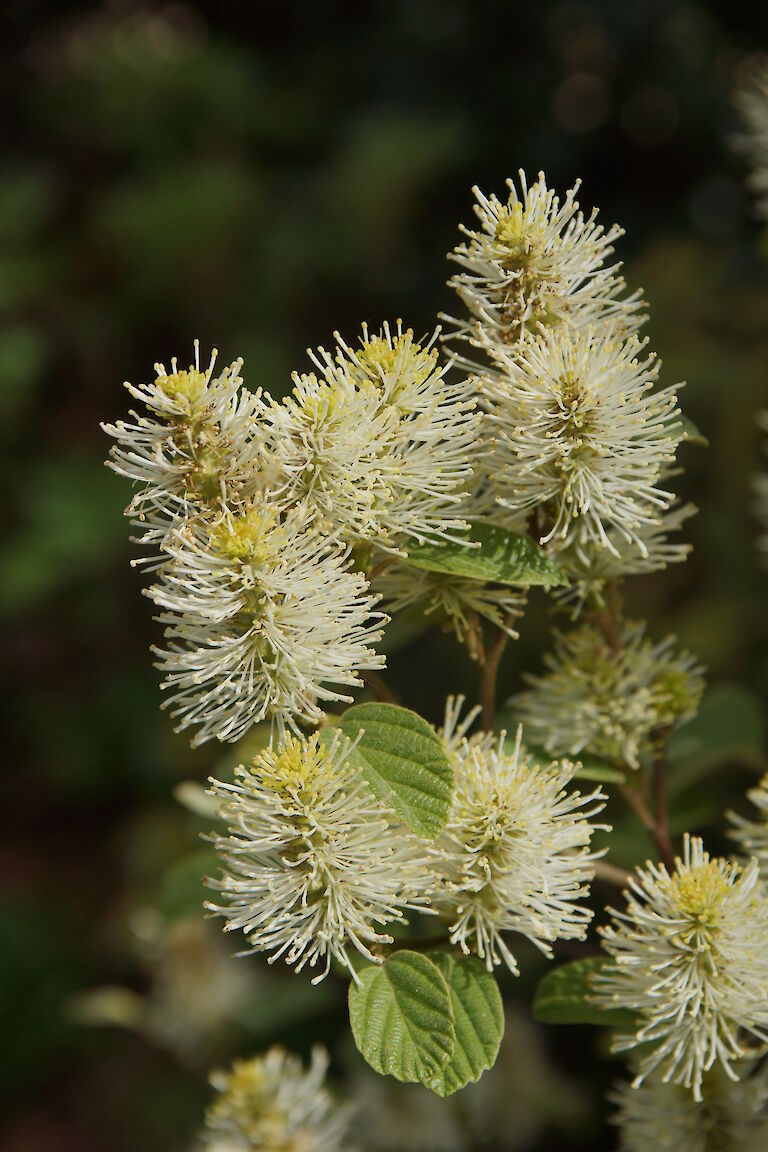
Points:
(379, 442)
(312, 864)
(264, 620)
(689, 955)
(536, 261)
(514, 856)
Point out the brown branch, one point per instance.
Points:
(378, 688)
(640, 808)
(489, 670)
(656, 826)
(611, 874)
(662, 810)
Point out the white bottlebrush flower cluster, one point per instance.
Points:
(272, 1103)
(581, 439)
(261, 616)
(752, 103)
(380, 443)
(689, 956)
(593, 574)
(732, 1116)
(535, 261)
(608, 699)
(752, 835)
(251, 508)
(514, 855)
(312, 863)
(195, 447)
(580, 442)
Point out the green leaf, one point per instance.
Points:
(478, 1015)
(402, 1019)
(691, 433)
(561, 997)
(490, 554)
(728, 729)
(404, 761)
(182, 891)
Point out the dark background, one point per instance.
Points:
(257, 175)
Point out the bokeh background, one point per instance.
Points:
(257, 175)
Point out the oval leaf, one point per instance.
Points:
(478, 1016)
(490, 554)
(562, 997)
(404, 761)
(401, 1017)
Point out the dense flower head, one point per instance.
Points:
(271, 1103)
(262, 617)
(608, 698)
(536, 261)
(197, 445)
(582, 439)
(752, 102)
(514, 856)
(732, 1116)
(312, 863)
(752, 835)
(379, 442)
(689, 956)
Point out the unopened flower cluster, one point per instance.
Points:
(731, 1117)
(611, 697)
(272, 1102)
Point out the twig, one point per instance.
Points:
(662, 811)
(488, 673)
(640, 808)
(610, 874)
(379, 689)
(658, 829)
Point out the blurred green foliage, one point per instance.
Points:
(257, 176)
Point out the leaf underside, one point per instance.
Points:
(489, 554)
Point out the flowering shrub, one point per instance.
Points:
(538, 448)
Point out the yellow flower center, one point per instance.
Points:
(251, 537)
(412, 363)
(700, 893)
(295, 768)
(519, 235)
(188, 385)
